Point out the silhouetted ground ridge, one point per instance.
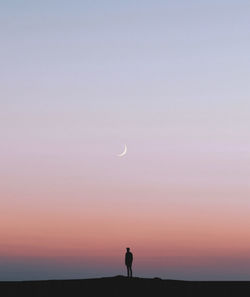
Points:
(120, 286)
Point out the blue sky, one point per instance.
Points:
(79, 79)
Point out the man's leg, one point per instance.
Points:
(127, 270)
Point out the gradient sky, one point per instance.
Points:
(79, 79)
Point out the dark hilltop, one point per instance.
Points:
(120, 286)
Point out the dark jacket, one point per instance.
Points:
(128, 258)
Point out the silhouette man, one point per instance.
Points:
(128, 262)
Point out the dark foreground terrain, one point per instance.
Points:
(121, 286)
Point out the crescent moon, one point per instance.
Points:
(124, 152)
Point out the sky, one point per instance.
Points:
(78, 81)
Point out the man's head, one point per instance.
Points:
(128, 249)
